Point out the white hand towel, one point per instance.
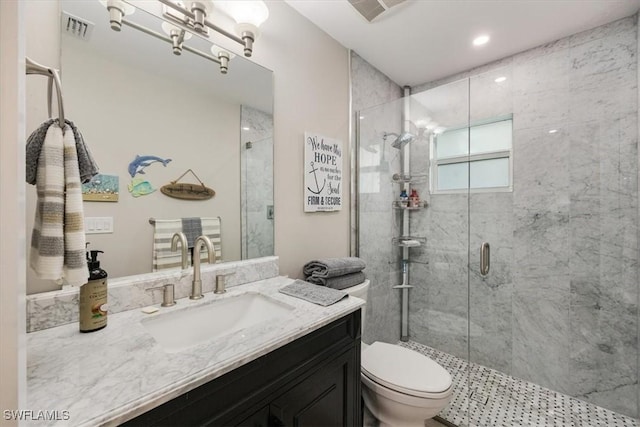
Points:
(58, 239)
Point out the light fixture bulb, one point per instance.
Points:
(481, 40)
(500, 79)
(117, 10)
(249, 15)
(253, 12)
(553, 131)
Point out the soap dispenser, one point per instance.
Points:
(93, 296)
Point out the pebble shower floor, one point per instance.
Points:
(494, 399)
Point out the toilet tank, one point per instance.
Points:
(360, 291)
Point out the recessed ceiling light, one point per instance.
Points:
(553, 131)
(500, 79)
(246, 128)
(361, 117)
(480, 40)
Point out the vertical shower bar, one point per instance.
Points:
(406, 171)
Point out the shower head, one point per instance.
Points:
(403, 139)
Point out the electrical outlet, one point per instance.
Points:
(98, 224)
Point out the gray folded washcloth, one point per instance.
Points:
(340, 282)
(333, 267)
(312, 293)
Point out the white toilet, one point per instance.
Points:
(401, 387)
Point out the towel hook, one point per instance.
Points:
(33, 67)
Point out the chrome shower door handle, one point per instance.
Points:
(485, 259)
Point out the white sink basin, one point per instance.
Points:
(181, 329)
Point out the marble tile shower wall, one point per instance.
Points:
(560, 307)
(378, 222)
(257, 182)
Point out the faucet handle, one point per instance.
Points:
(221, 283)
(168, 294)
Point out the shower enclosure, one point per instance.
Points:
(256, 182)
(538, 160)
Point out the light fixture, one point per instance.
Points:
(480, 40)
(248, 15)
(553, 131)
(223, 56)
(500, 79)
(181, 17)
(117, 9)
(178, 35)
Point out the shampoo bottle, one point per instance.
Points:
(404, 199)
(93, 296)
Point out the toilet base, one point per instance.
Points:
(390, 412)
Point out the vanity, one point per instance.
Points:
(299, 366)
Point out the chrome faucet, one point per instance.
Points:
(196, 288)
(180, 237)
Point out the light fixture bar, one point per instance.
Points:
(208, 23)
(170, 41)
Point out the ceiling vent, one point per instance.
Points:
(371, 9)
(76, 27)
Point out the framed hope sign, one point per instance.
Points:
(322, 173)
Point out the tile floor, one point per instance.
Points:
(494, 399)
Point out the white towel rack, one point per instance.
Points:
(33, 67)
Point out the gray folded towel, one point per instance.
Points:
(86, 164)
(333, 267)
(340, 282)
(312, 293)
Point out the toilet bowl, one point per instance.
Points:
(401, 387)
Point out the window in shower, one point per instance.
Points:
(371, 162)
(478, 157)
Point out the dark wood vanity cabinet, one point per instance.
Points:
(312, 381)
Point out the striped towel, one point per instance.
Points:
(58, 239)
(164, 258)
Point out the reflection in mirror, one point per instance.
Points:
(129, 95)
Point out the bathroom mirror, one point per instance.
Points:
(129, 95)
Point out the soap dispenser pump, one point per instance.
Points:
(93, 296)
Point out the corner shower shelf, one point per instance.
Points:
(409, 241)
(397, 204)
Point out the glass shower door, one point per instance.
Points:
(555, 319)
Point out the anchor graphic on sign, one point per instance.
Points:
(313, 171)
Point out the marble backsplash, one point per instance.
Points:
(50, 309)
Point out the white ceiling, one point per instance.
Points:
(423, 40)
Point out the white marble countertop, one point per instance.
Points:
(110, 376)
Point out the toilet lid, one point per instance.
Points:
(404, 370)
